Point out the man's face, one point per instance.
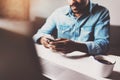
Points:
(77, 5)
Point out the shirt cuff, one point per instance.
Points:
(93, 48)
(38, 36)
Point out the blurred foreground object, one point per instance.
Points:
(18, 57)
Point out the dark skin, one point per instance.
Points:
(78, 7)
(65, 45)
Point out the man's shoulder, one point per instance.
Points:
(98, 8)
(62, 10)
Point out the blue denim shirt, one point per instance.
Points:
(92, 28)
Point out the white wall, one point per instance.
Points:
(44, 8)
(114, 8)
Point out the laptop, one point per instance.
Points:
(18, 57)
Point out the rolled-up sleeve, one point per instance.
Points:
(46, 29)
(100, 45)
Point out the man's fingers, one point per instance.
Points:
(59, 49)
(63, 50)
(58, 44)
(60, 39)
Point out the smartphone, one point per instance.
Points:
(50, 40)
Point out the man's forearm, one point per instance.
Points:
(81, 47)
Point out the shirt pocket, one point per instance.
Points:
(64, 28)
(87, 29)
(64, 31)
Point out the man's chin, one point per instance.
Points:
(75, 11)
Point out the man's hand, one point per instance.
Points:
(45, 41)
(63, 45)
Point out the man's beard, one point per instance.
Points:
(78, 7)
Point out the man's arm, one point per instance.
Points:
(100, 44)
(46, 29)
